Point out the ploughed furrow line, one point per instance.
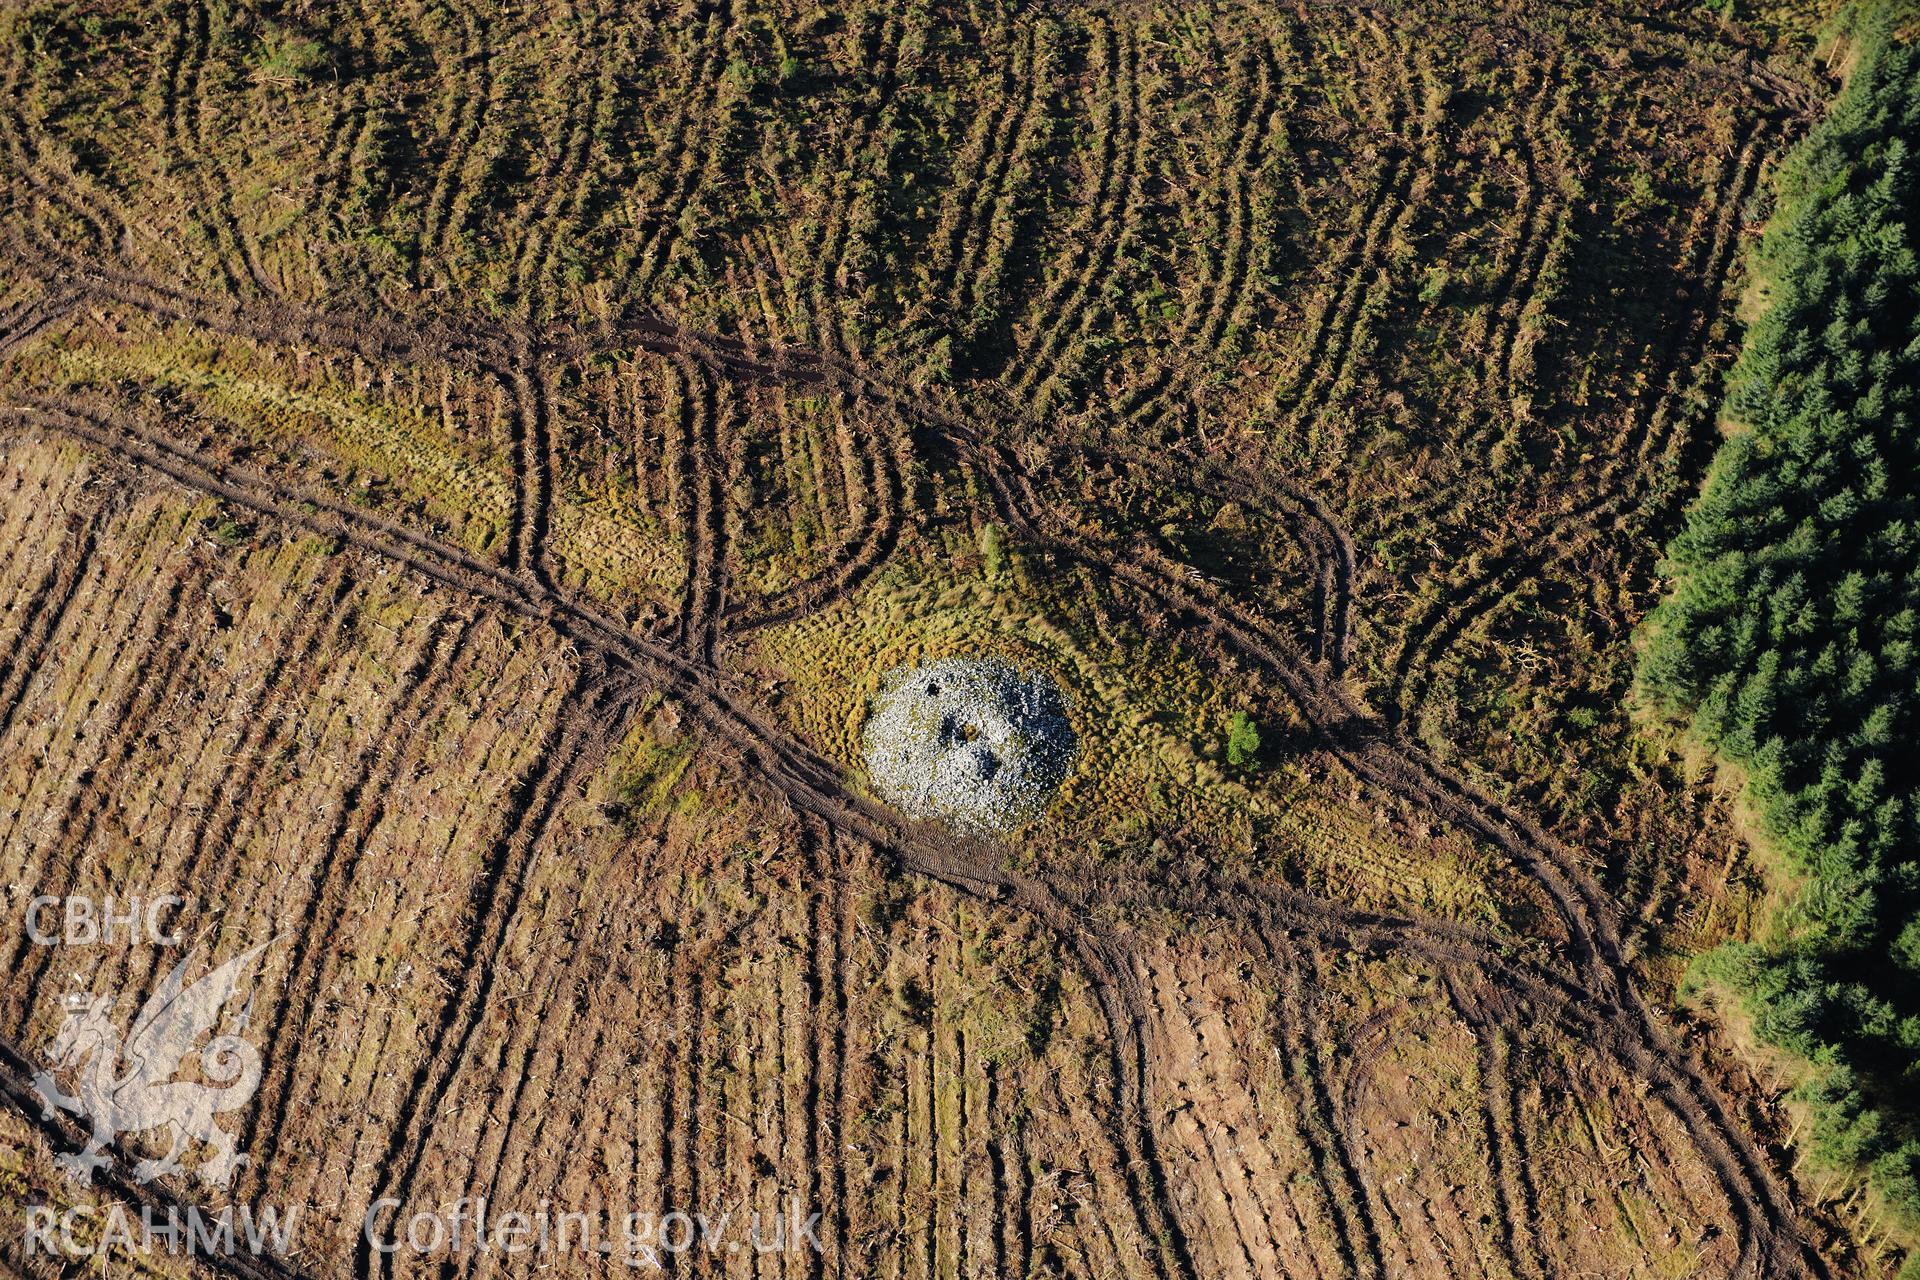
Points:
(688, 1125)
(1519, 278)
(152, 659)
(468, 81)
(998, 163)
(833, 1133)
(353, 121)
(1401, 767)
(207, 189)
(1370, 275)
(1623, 481)
(1223, 292)
(359, 811)
(53, 743)
(822, 1114)
(269, 716)
(534, 1034)
(1515, 1195)
(25, 322)
(568, 169)
(701, 514)
(1187, 1063)
(1124, 1005)
(1360, 1052)
(982, 266)
(1012, 1189)
(1071, 306)
(576, 741)
(982, 163)
(62, 1133)
(670, 1186)
(984, 241)
(1348, 1198)
(930, 1083)
(1224, 297)
(881, 459)
(827, 277)
(46, 611)
(1717, 263)
(611, 1133)
(679, 442)
(1358, 256)
(658, 212)
(148, 692)
(55, 184)
(47, 527)
(803, 478)
(812, 785)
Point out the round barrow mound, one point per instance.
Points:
(969, 741)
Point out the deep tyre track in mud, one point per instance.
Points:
(1595, 993)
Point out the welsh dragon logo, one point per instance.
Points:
(127, 1087)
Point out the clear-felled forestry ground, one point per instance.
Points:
(465, 468)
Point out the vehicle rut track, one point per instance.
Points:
(1362, 1045)
(1515, 1195)
(810, 783)
(25, 322)
(813, 786)
(1298, 514)
(533, 469)
(883, 460)
(1396, 765)
(17, 1069)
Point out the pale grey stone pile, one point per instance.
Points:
(969, 741)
